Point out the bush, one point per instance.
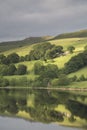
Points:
(21, 70)
(71, 49)
(11, 69)
(13, 58)
(38, 68)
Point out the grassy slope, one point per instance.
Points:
(78, 34)
(11, 45)
(79, 44)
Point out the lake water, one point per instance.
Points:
(28, 109)
(20, 124)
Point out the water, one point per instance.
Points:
(20, 124)
(28, 109)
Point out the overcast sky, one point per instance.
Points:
(24, 18)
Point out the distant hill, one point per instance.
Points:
(10, 45)
(17, 44)
(77, 34)
(37, 39)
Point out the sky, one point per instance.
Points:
(25, 18)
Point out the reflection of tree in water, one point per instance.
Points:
(77, 109)
(44, 103)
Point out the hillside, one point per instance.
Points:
(79, 44)
(77, 34)
(4, 46)
(74, 38)
(23, 48)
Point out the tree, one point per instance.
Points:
(38, 67)
(3, 59)
(74, 64)
(21, 70)
(54, 52)
(71, 49)
(39, 51)
(50, 72)
(11, 69)
(13, 58)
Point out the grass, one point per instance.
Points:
(82, 71)
(82, 84)
(81, 33)
(21, 51)
(78, 43)
(60, 61)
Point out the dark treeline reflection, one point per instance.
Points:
(46, 105)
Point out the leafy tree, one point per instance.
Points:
(50, 72)
(71, 49)
(74, 64)
(38, 67)
(39, 51)
(54, 52)
(3, 59)
(11, 69)
(21, 70)
(13, 58)
(21, 58)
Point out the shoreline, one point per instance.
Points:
(48, 88)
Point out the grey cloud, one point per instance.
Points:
(22, 18)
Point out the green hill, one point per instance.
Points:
(23, 47)
(77, 34)
(4, 46)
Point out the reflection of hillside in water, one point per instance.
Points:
(45, 106)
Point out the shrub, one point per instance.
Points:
(11, 69)
(21, 70)
(13, 58)
(38, 68)
(71, 49)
